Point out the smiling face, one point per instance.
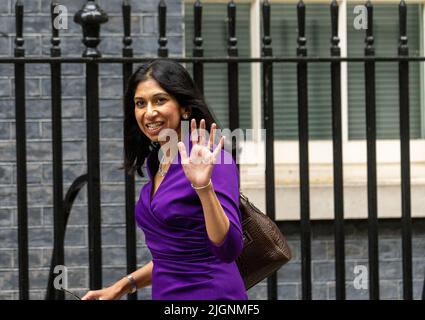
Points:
(155, 109)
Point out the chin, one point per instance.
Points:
(152, 138)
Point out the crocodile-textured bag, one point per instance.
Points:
(265, 248)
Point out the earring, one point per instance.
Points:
(185, 116)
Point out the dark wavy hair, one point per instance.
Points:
(176, 81)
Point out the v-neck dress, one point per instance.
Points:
(187, 265)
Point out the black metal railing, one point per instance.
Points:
(337, 157)
(91, 17)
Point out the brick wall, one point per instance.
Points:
(356, 251)
(37, 36)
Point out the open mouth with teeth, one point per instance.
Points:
(154, 127)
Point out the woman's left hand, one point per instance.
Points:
(198, 166)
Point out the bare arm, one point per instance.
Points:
(216, 221)
(223, 227)
(219, 199)
(142, 276)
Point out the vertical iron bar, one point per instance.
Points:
(269, 126)
(21, 155)
(162, 19)
(423, 291)
(303, 155)
(93, 170)
(198, 51)
(371, 159)
(233, 74)
(91, 17)
(127, 51)
(58, 213)
(337, 158)
(403, 68)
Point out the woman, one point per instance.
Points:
(189, 209)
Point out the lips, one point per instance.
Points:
(154, 127)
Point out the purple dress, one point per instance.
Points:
(186, 264)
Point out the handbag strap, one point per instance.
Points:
(243, 196)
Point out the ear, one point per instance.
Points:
(184, 110)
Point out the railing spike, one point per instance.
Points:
(91, 16)
(55, 31)
(231, 27)
(302, 49)
(267, 40)
(162, 23)
(334, 24)
(19, 21)
(126, 12)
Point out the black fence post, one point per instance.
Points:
(337, 158)
(371, 158)
(198, 51)
(162, 22)
(403, 76)
(303, 154)
(130, 225)
(21, 155)
(58, 213)
(269, 126)
(233, 76)
(91, 17)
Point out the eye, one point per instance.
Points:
(161, 100)
(139, 103)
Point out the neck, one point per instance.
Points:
(169, 149)
(168, 153)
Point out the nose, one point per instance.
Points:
(151, 112)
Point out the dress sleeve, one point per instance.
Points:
(226, 186)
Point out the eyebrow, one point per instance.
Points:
(155, 95)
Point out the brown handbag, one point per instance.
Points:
(265, 248)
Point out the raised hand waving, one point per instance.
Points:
(198, 166)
